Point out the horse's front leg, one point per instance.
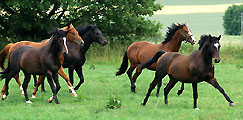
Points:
(16, 77)
(53, 89)
(80, 75)
(64, 76)
(195, 95)
(215, 84)
(25, 86)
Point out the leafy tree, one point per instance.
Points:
(232, 20)
(120, 19)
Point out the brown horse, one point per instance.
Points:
(72, 36)
(193, 68)
(140, 52)
(76, 57)
(38, 61)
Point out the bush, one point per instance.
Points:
(232, 20)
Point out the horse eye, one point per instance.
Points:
(73, 33)
(186, 31)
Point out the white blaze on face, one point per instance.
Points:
(216, 45)
(65, 43)
(190, 33)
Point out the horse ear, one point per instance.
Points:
(54, 30)
(179, 24)
(219, 37)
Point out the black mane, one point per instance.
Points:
(205, 38)
(83, 28)
(171, 31)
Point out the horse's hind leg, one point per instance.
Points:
(157, 79)
(5, 87)
(39, 82)
(168, 87)
(16, 77)
(64, 76)
(25, 86)
(129, 74)
(81, 77)
(158, 88)
(215, 84)
(181, 90)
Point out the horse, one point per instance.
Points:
(140, 52)
(194, 68)
(76, 57)
(38, 61)
(72, 36)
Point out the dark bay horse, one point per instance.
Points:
(140, 52)
(76, 57)
(72, 36)
(194, 68)
(38, 61)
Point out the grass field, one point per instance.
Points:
(101, 85)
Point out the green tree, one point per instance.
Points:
(232, 20)
(120, 19)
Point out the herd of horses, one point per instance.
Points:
(67, 47)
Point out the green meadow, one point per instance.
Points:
(101, 84)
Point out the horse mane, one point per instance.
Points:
(203, 40)
(83, 28)
(171, 31)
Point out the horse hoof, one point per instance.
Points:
(74, 94)
(143, 104)
(232, 104)
(157, 95)
(43, 90)
(29, 102)
(57, 102)
(4, 97)
(179, 93)
(50, 99)
(33, 96)
(196, 109)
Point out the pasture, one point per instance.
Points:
(101, 84)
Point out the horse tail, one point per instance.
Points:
(123, 66)
(6, 72)
(152, 60)
(3, 55)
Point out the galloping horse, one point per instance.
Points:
(76, 57)
(193, 68)
(140, 52)
(72, 36)
(38, 61)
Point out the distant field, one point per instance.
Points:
(199, 23)
(197, 2)
(101, 84)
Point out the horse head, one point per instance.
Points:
(73, 35)
(186, 33)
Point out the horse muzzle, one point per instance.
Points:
(217, 60)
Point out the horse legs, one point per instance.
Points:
(70, 86)
(195, 95)
(25, 86)
(42, 85)
(181, 90)
(5, 89)
(39, 82)
(168, 87)
(16, 77)
(158, 88)
(58, 87)
(158, 78)
(215, 84)
(80, 75)
(70, 72)
(49, 78)
(129, 74)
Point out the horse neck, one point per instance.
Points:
(207, 56)
(54, 48)
(174, 44)
(87, 41)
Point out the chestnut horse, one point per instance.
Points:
(194, 68)
(140, 52)
(72, 36)
(76, 57)
(38, 61)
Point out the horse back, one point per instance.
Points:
(141, 52)
(27, 43)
